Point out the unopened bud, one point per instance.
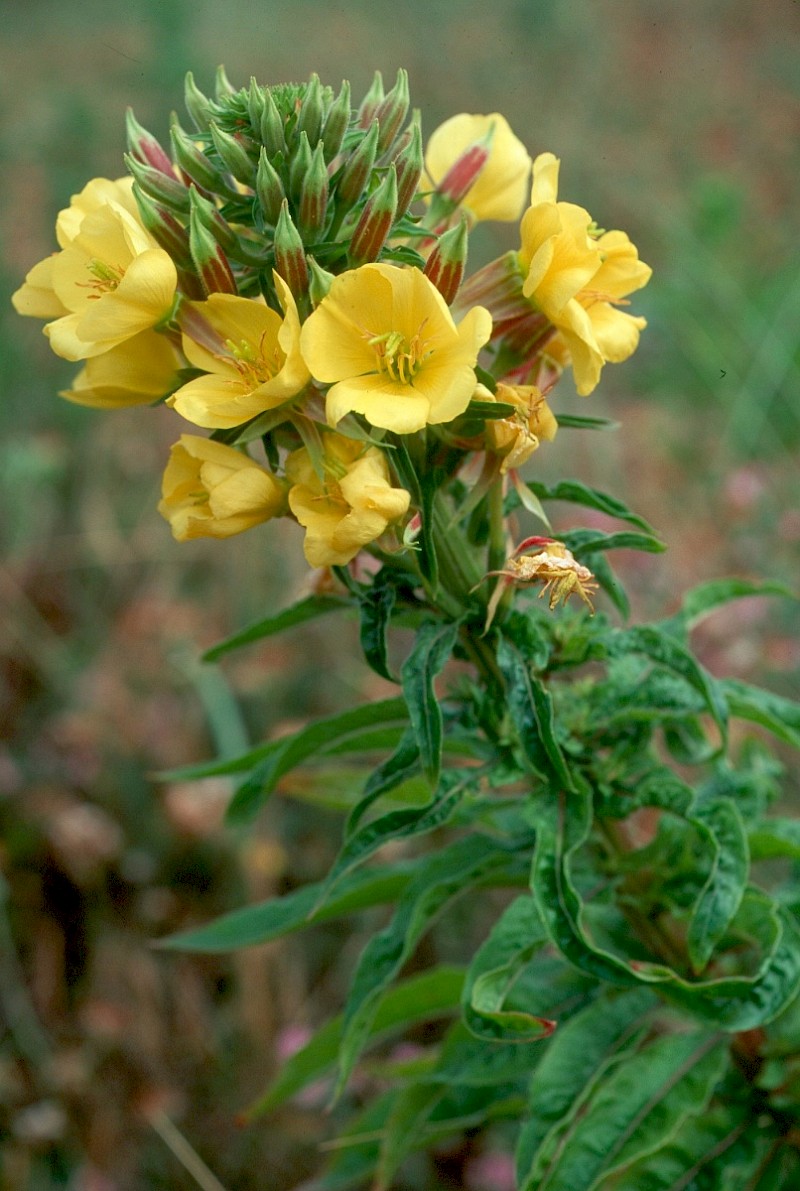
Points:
(320, 282)
(290, 259)
(313, 197)
(375, 223)
(255, 104)
(409, 164)
(213, 222)
(209, 260)
(269, 188)
(163, 188)
(144, 146)
(199, 107)
(369, 104)
(165, 229)
(358, 168)
(391, 112)
(309, 118)
(223, 87)
(337, 122)
(233, 155)
(301, 164)
(445, 265)
(464, 173)
(272, 135)
(192, 161)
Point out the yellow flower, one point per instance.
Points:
(385, 340)
(577, 277)
(213, 491)
(251, 357)
(498, 191)
(517, 437)
(109, 282)
(137, 372)
(350, 507)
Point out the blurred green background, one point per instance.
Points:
(678, 122)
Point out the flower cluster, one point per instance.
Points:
(291, 277)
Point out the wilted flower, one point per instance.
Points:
(480, 164)
(386, 342)
(213, 491)
(347, 507)
(517, 437)
(251, 357)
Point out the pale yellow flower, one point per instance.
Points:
(109, 282)
(251, 357)
(499, 189)
(577, 277)
(350, 506)
(517, 437)
(213, 491)
(137, 372)
(386, 342)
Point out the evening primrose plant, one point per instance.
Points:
(292, 278)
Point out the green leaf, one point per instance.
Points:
(779, 716)
(420, 998)
(576, 1061)
(591, 498)
(634, 1111)
(722, 893)
(348, 726)
(281, 916)
(432, 649)
(401, 765)
(775, 838)
(578, 422)
(375, 607)
(530, 706)
(584, 542)
(307, 609)
(410, 1111)
(701, 601)
(464, 864)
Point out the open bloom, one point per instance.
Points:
(577, 277)
(251, 357)
(213, 491)
(517, 437)
(109, 282)
(139, 371)
(347, 507)
(454, 157)
(386, 342)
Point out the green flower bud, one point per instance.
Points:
(369, 104)
(357, 169)
(210, 261)
(272, 133)
(165, 229)
(445, 265)
(193, 162)
(256, 104)
(201, 109)
(208, 215)
(375, 223)
(409, 163)
(337, 123)
(391, 112)
(269, 188)
(313, 198)
(320, 282)
(233, 155)
(309, 118)
(144, 147)
(223, 87)
(290, 258)
(163, 188)
(300, 165)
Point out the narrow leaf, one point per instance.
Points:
(779, 716)
(722, 893)
(591, 498)
(531, 708)
(432, 649)
(375, 608)
(300, 613)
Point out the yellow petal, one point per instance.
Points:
(499, 191)
(36, 297)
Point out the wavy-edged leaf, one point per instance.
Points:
(530, 706)
(410, 1112)
(283, 915)
(706, 598)
(775, 838)
(375, 610)
(584, 542)
(346, 727)
(591, 498)
(417, 999)
(634, 1111)
(467, 863)
(779, 716)
(576, 1060)
(724, 888)
(432, 649)
(398, 767)
(305, 610)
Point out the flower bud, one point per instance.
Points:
(409, 164)
(165, 229)
(269, 188)
(309, 118)
(200, 109)
(256, 103)
(272, 134)
(233, 155)
(290, 259)
(161, 187)
(445, 265)
(210, 261)
(320, 282)
(144, 147)
(369, 104)
(301, 164)
(464, 172)
(337, 123)
(358, 168)
(192, 161)
(213, 222)
(375, 223)
(391, 112)
(313, 197)
(223, 87)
